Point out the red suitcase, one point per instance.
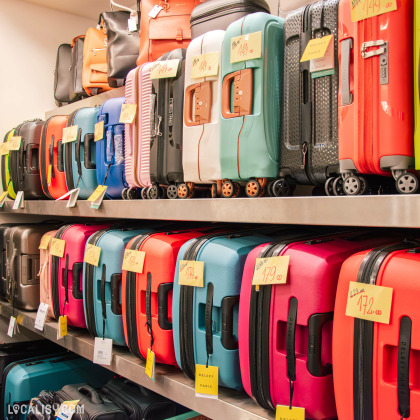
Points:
(376, 365)
(51, 154)
(376, 114)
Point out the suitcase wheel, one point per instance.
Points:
(144, 193)
(329, 190)
(156, 192)
(132, 193)
(338, 186)
(352, 185)
(270, 191)
(407, 184)
(253, 188)
(172, 192)
(124, 194)
(228, 189)
(183, 191)
(281, 188)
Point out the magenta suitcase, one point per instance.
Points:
(67, 272)
(285, 331)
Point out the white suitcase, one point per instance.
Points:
(202, 104)
(138, 89)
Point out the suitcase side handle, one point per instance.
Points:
(229, 303)
(291, 341)
(115, 294)
(346, 95)
(242, 95)
(60, 156)
(79, 164)
(32, 159)
(88, 151)
(208, 321)
(404, 346)
(77, 271)
(200, 95)
(163, 303)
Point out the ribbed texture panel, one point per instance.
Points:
(130, 158)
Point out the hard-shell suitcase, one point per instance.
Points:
(212, 338)
(219, 14)
(51, 162)
(251, 104)
(285, 7)
(138, 89)
(166, 137)
(202, 101)
(22, 259)
(45, 293)
(376, 364)
(110, 149)
(375, 108)
(76, 90)
(6, 180)
(24, 163)
(80, 156)
(27, 378)
(309, 141)
(102, 284)
(417, 82)
(3, 262)
(62, 75)
(285, 334)
(66, 272)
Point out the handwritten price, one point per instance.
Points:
(364, 9)
(191, 273)
(133, 261)
(246, 47)
(205, 65)
(57, 247)
(270, 270)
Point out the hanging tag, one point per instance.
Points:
(245, 47)
(128, 113)
(270, 270)
(66, 410)
(164, 69)
(155, 11)
(133, 260)
(99, 130)
(369, 302)
(206, 381)
(316, 48)
(97, 196)
(284, 412)
(57, 247)
(92, 254)
(45, 242)
(3, 197)
(191, 273)
(366, 9)
(324, 66)
(41, 316)
(4, 149)
(19, 201)
(12, 327)
(14, 143)
(150, 364)
(205, 65)
(72, 201)
(62, 327)
(132, 25)
(70, 134)
(102, 353)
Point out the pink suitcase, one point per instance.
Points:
(67, 271)
(285, 331)
(138, 90)
(45, 276)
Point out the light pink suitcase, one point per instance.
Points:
(138, 90)
(45, 276)
(285, 331)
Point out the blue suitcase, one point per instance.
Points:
(224, 258)
(102, 284)
(80, 156)
(25, 379)
(110, 170)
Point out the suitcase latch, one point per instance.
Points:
(197, 108)
(382, 52)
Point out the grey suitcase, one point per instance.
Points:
(309, 144)
(76, 90)
(3, 281)
(62, 75)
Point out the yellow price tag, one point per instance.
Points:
(99, 130)
(14, 143)
(133, 260)
(316, 48)
(284, 412)
(365, 9)
(128, 113)
(205, 65)
(206, 380)
(150, 364)
(4, 149)
(191, 273)
(369, 302)
(49, 174)
(45, 242)
(245, 47)
(100, 189)
(164, 69)
(66, 409)
(70, 133)
(62, 325)
(57, 247)
(3, 197)
(270, 270)
(92, 254)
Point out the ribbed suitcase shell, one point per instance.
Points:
(3, 262)
(80, 155)
(201, 142)
(376, 115)
(110, 113)
(51, 153)
(417, 81)
(45, 295)
(249, 145)
(6, 180)
(138, 88)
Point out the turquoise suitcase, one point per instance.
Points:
(251, 101)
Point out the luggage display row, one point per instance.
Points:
(285, 339)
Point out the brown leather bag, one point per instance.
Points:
(169, 30)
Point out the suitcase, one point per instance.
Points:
(285, 7)
(138, 89)
(80, 156)
(380, 56)
(22, 260)
(62, 75)
(199, 339)
(24, 163)
(51, 155)
(76, 91)
(166, 137)
(202, 101)
(6, 180)
(110, 149)
(375, 364)
(250, 123)
(3, 263)
(219, 14)
(102, 284)
(417, 82)
(309, 141)
(66, 273)
(27, 378)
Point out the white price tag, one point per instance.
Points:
(19, 201)
(102, 353)
(132, 25)
(155, 11)
(41, 316)
(12, 326)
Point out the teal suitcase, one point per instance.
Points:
(251, 101)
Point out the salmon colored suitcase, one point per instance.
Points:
(5, 174)
(376, 365)
(51, 157)
(375, 100)
(45, 275)
(417, 81)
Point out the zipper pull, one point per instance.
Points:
(158, 132)
(304, 153)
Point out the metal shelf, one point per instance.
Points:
(371, 211)
(169, 381)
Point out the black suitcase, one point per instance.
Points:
(309, 144)
(62, 75)
(167, 106)
(3, 259)
(76, 90)
(24, 163)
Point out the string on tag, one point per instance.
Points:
(80, 177)
(107, 171)
(292, 389)
(103, 330)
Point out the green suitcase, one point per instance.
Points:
(417, 80)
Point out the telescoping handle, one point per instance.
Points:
(242, 93)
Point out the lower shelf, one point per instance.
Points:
(169, 381)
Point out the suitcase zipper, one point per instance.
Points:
(43, 169)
